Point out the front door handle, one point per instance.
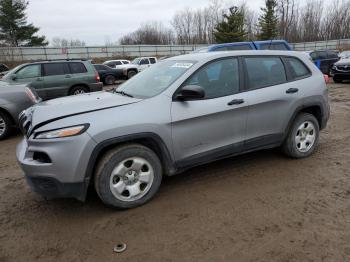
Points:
(39, 79)
(68, 76)
(235, 102)
(292, 90)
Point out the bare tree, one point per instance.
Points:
(62, 42)
(151, 33)
(336, 21)
(310, 21)
(287, 10)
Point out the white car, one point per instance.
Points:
(344, 55)
(137, 65)
(114, 63)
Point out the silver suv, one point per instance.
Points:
(181, 112)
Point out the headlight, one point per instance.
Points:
(63, 132)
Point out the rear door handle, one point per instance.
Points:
(68, 76)
(39, 79)
(292, 90)
(235, 102)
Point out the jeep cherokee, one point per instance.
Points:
(182, 112)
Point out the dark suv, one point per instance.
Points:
(52, 79)
(324, 60)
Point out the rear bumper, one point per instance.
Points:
(95, 87)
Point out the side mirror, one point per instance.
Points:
(14, 77)
(190, 92)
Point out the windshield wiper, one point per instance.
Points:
(122, 93)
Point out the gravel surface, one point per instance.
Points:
(257, 207)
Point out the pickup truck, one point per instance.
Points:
(137, 65)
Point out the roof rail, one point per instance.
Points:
(67, 59)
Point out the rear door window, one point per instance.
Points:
(55, 69)
(265, 71)
(77, 68)
(152, 60)
(297, 68)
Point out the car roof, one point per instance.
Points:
(218, 54)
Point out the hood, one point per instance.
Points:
(343, 62)
(55, 109)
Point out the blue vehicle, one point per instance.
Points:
(253, 45)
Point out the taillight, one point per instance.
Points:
(326, 78)
(97, 77)
(31, 95)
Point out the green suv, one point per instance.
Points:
(52, 79)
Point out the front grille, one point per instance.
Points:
(24, 123)
(344, 68)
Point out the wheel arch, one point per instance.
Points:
(150, 140)
(3, 110)
(315, 109)
(80, 84)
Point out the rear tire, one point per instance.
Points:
(109, 80)
(128, 176)
(78, 90)
(303, 137)
(131, 74)
(5, 125)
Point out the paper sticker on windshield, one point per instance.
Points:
(182, 65)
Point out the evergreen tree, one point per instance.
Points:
(268, 21)
(231, 29)
(14, 29)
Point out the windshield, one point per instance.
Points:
(345, 54)
(9, 73)
(136, 61)
(155, 79)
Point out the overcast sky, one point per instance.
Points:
(95, 21)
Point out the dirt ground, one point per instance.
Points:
(257, 207)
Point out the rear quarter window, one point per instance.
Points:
(77, 68)
(297, 68)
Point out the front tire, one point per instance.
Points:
(303, 137)
(5, 125)
(131, 74)
(128, 176)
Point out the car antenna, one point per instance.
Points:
(253, 44)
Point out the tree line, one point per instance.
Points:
(292, 20)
